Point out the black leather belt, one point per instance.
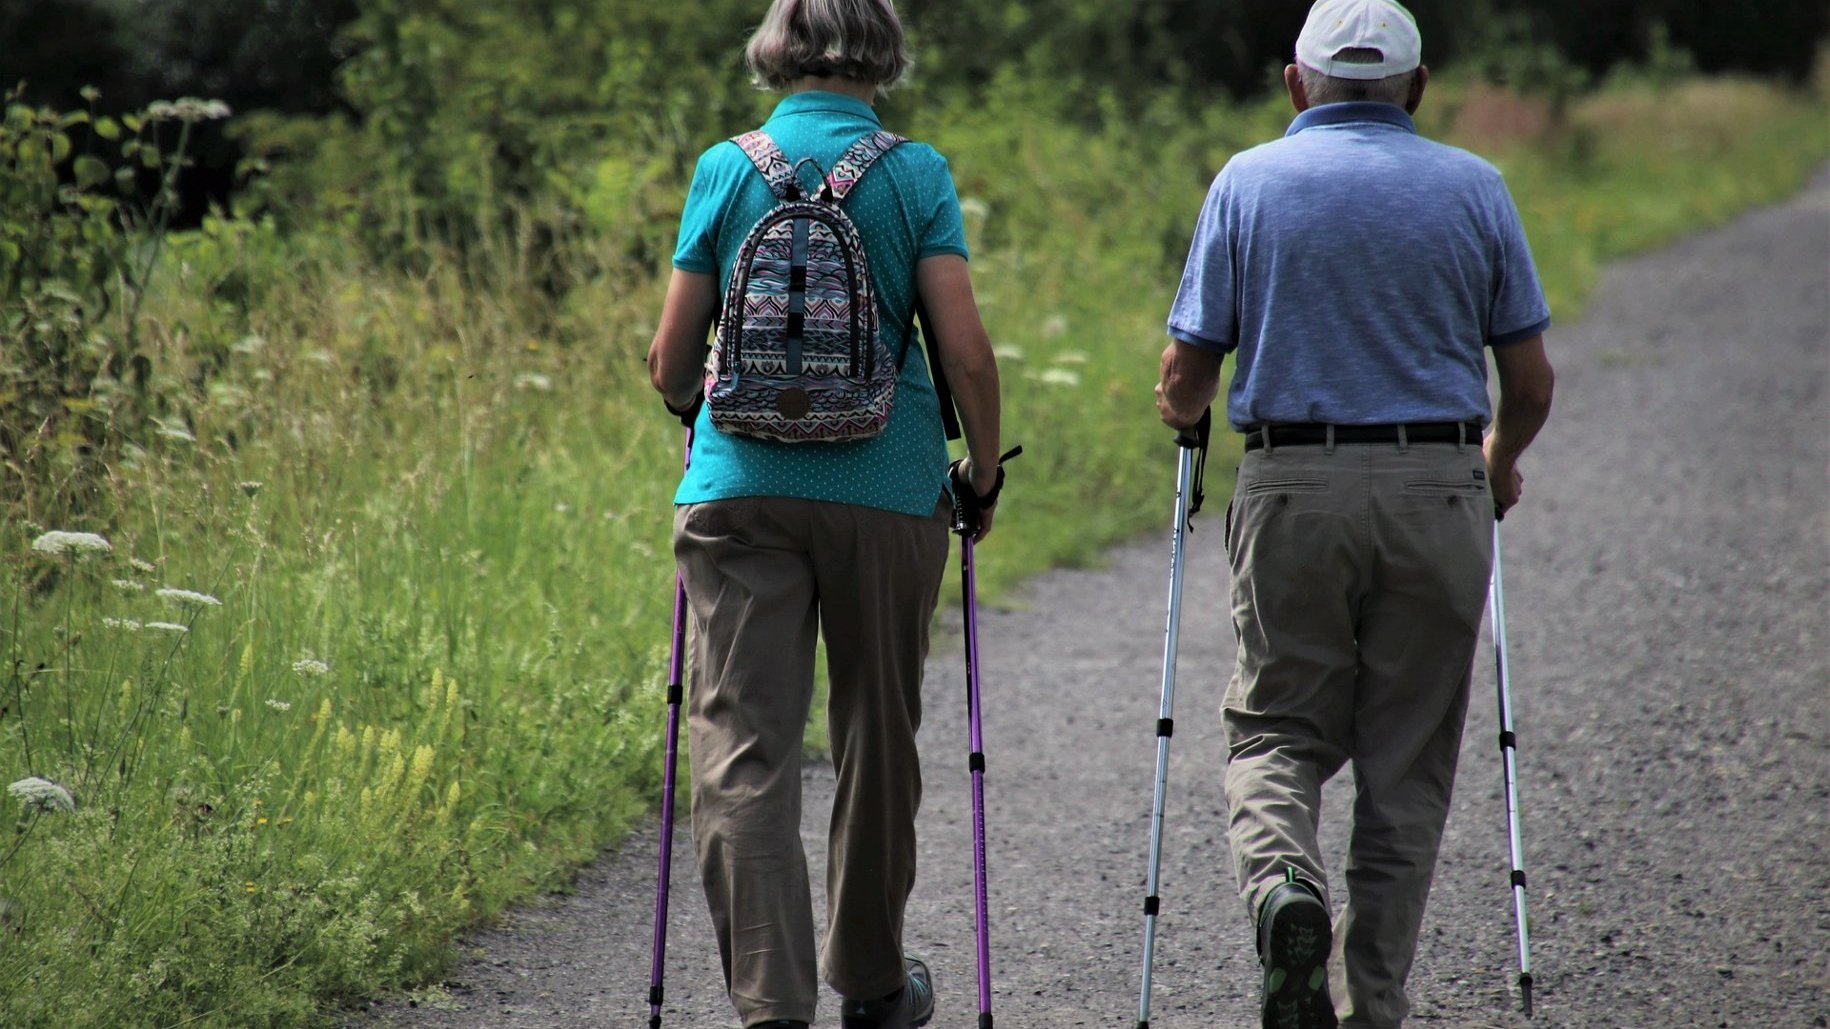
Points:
(1310, 434)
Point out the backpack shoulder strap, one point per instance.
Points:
(768, 158)
(857, 159)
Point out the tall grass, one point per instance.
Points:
(436, 519)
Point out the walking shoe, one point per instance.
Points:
(780, 1023)
(907, 1008)
(1293, 944)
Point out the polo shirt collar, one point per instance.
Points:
(1352, 112)
(819, 100)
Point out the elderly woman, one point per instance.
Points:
(777, 540)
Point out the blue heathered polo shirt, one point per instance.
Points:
(1358, 270)
(905, 209)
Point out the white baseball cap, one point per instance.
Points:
(1381, 26)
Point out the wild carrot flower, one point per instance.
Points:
(42, 794)
(124, 624)
(191, 597)
(141, 566)
(310, 667)
(1060, 377)
(189, 108)
(57, 542)
(279, 705)
(168, 627)
(128, 586)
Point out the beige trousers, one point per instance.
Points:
(1359, 579)
(762, 575)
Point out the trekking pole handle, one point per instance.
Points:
(967, 503)
(1197, 436)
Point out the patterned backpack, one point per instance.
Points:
(797, 357)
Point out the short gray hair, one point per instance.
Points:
(853, 39)
(1323, 88)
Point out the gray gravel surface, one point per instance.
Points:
(1668, 586)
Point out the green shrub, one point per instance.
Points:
(78, 249)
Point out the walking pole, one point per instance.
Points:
(965, 523)
(675, 665)
(1509, 766)
(1189, 442)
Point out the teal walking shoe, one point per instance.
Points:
(1294, 939)
(907, 1008)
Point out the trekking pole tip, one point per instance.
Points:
(1525, 992)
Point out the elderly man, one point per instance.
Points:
(1360, 274)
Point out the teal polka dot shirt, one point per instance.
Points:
(906, 209)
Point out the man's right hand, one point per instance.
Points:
(1503, 479)
(1526, 385)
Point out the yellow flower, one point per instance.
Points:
(250, 887)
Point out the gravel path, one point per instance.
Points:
(1668, 584)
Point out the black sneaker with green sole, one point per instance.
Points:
(1293, 943)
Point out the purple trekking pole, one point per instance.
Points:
(676, 665)
(966, 507)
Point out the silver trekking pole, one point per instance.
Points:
(1509, 765)
(1189, 442)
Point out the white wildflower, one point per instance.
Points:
(1060, 377)
(1008, 352)
(973, 207)
(168, 627)
(128, 585)
(562, 507)
(250, 487)
(1054, 325)
(1071, 357)
(534, 381)
(191, 597)
(310, 667)
(279, 705)
(141, 566)
(187, 109)
(59, 542)
(123, 624)
(42, 794)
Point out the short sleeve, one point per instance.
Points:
(696, 250)
(1518, 310)
(945, 230)
(1203, 314)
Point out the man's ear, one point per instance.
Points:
(1293, 82)
(1418, 81)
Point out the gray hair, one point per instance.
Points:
(854, 39)
(1323, 88)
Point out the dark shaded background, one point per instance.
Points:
(285, 55)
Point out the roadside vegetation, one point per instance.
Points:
(334, 562)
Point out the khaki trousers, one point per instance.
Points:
(762, 575)
(1359, 579)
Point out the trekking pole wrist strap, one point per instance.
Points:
(971, 498)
